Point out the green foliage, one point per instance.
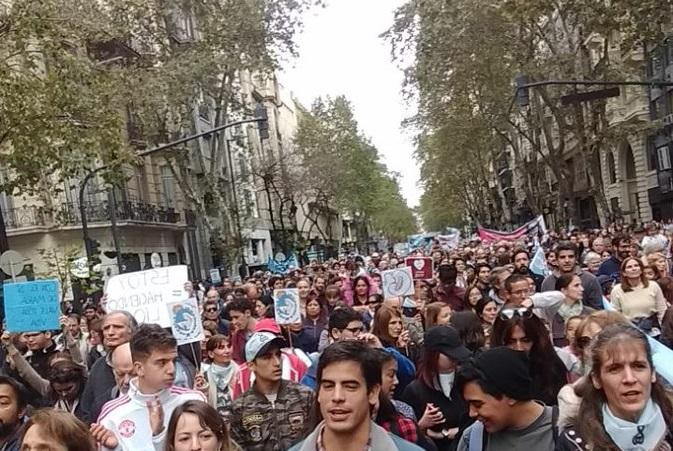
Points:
(464, 56)
(58, 262)
(342, 169)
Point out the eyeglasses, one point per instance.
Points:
(210, 310)
(582, 342)
(509, 313)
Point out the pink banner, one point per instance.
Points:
(488, 235)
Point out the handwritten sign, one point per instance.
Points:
(286, 306)
(185, 321)
(32, 306)
(145, 294)
(397, 282)
(421, 267)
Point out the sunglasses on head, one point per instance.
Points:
(509, 313)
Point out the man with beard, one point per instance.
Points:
(13, 406)
(621, 248)
(521, 261)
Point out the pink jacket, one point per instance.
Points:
(347, 288)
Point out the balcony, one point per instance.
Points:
(25, 217)
(69, 213)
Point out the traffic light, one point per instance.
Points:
(263, 124)
(93, 252)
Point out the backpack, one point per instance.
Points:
(478, 439)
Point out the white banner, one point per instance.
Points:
(145, 294)
(186, 321)
(397, 282)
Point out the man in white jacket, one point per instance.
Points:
(137, 421)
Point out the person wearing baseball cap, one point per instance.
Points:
(436, 402)
(497, 389)
(273, 413)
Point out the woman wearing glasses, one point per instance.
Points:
(624, 406)
(521, 330)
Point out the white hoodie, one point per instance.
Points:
(128, 419)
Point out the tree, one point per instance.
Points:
(342, 171)
(468, 52)
(74, 73)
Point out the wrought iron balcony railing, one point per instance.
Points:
(125, 211)
(25, 217)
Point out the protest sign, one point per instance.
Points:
(185, 321)
(397, 282)
(215, 276)
(145, 294)
(421, 267)
(32, 306)
(286, 306)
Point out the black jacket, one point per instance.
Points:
(98, 390)
(418, 395)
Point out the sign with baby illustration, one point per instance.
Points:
(397, 282)
(286, 306)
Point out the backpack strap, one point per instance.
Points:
(554, 422)
(476, 436)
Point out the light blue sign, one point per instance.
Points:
(32, 306)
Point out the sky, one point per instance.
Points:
(340, 52)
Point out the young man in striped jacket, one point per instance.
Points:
(137, 421)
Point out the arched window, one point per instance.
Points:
(630, 163)
(612, 170)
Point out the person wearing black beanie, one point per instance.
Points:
(497, 389)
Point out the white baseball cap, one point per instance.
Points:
(260, 342)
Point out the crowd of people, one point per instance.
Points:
(489, 354)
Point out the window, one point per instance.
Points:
(664, 158)
(612, 170)
(630, 172)
(651, 154)
(172, 258)
(168, 187)
(141, 183)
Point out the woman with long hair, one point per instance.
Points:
(570, 395)
(220, 375)
(388, 327)
(473, 295)
(624, 407)
(436, 402)
(361, 292)
(56, 430)
(521, 330)
(487, 310)
(658, 261)
(437, 314)
(66, 382)
(304, 290)
(571, 287)
(639, 300)
(196, 425)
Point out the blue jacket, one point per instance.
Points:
(610, 268)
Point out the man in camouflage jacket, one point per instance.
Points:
(273, 413)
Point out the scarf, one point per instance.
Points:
(566, 310)
(644, 435)
(219, 372)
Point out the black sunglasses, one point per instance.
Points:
(209, 310)
(509, 313)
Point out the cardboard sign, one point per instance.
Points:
(397, 282)
(421, 267)
(185, 321)
(145, 294)
(32, 306)
(215, 276)
(286, 306)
